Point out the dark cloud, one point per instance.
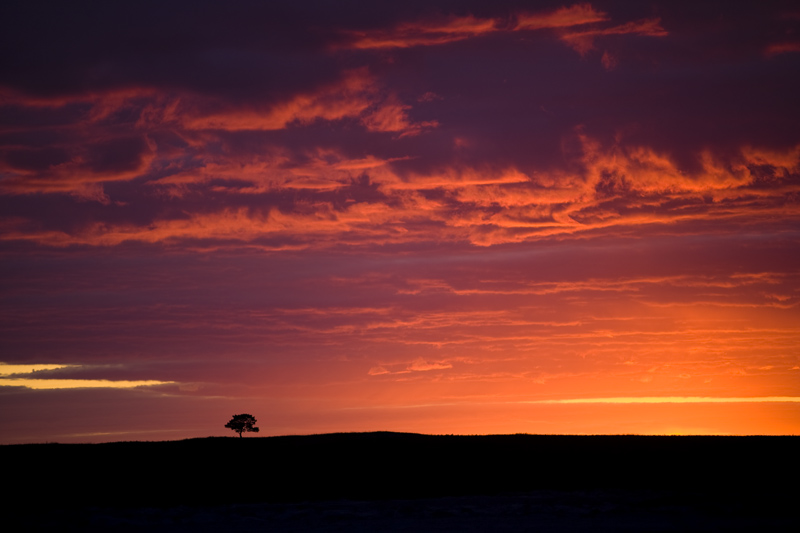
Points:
(36, 159)
(115, 156)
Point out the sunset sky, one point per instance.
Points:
(429, 216)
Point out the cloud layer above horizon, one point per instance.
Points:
(441, 203)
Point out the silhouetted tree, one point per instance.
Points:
(242, 423)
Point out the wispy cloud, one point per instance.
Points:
(583, 40)
(454, 29)
(422, 33)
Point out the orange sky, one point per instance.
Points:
(529, 217)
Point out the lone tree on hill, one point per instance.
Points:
(242, 423)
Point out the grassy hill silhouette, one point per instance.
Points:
(755, 476)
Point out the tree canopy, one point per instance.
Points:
(241, 423)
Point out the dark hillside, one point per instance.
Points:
(396, 465)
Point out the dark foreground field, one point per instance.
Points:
(408, 482)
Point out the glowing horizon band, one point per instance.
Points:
(673, 399)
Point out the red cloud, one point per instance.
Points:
(85, 166)
(619, 189)
(356, 96)
(782, 48)
(564, 17)
(423, 33)
(583, 41)
(427, 33)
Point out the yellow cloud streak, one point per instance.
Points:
(49, 384)
(7, 369)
